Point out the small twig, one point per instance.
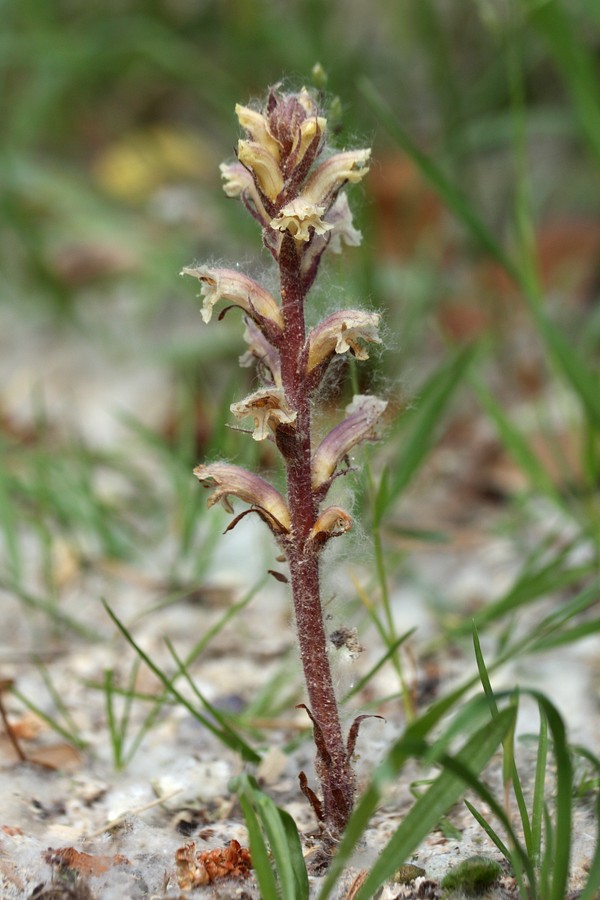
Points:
(4, 685)
(130, 812)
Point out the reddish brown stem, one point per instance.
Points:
(332, 763)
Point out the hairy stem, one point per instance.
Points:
(332, 764)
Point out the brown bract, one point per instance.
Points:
(196, 869)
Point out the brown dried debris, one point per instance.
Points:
(85, 864)
(196, 869)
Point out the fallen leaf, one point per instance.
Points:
(56, 756)
(84, 863)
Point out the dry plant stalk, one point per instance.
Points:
(293, 186)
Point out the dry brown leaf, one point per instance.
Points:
(56, 756)
(27, 727)
(12, 830)
(85, 864)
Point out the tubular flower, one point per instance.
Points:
(233, 287)
(262, 352)
(257, 127)
(237, 179)
(343, 232)
(359, 425)
(300, 219)
(269, 409)
(228, 480)
(332, 522)
(263, 165)
(238, 182)
(341, 332)
(333, 173)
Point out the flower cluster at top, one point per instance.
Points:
(294, 187)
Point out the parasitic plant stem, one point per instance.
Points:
(297, 195)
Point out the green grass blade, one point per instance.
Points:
(576, 63)
(512, 858)
(428, 810)
(537, 813)
(592, 885)
(576, 371)
(234, 739)
(258, 851)
(283, 838)
(454, 199)
(422, 424)
(378, 665)
(54, 724)
(227, 736)
(518, 446)
(490, 831)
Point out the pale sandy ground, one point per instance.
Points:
(176, 787)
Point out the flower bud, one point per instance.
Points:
(341, 332)
(257, 127)
(263, 165)
(233, 287)
(359, 425)
(269, 409)
(228, 480)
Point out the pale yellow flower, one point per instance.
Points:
(269, 409)
(257, 126)
(233, 287)
(341, 332)
(300, 219)
(333, 173)
(264, 166)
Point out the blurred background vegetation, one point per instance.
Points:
(481, 216)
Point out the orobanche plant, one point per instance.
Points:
(293, 185)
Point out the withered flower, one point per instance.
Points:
(332, 522)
